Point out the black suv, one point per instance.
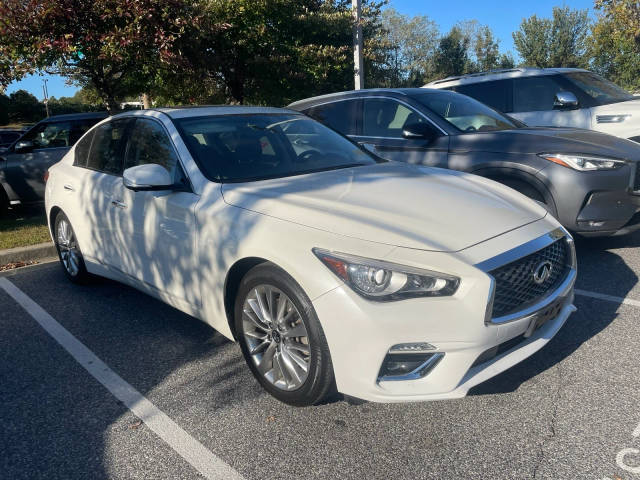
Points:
(24, 163)
(586, 179)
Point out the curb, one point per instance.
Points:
(27, 254)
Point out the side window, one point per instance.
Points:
(107, 147)
(494, 94)
(340, 116)
(532, 94)
(49, 135)
(149, 143)
(79, 127)
(386, 118)
(81, 152)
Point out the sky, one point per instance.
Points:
(502, 16)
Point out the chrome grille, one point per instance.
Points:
(515, 286)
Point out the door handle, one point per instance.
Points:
(69, 187)
(119, 204)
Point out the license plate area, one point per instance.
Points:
(541, 317)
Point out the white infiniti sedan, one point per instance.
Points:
(333, 269)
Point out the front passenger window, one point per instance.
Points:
(49, 135)
(149, 143)
(386, 118)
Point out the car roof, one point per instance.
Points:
(76, 116)
(398, 92)
(498, 75)
(205, 110)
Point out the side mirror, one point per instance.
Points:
(419, 131)
(23, 146)
(564, 101)
(147, 177)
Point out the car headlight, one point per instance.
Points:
(583, 162)
(383, 281)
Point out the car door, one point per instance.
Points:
(94, 189)
(155, 231)
(24, 169)
(383, 120)
(533, 103)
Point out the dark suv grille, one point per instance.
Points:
(515, 284)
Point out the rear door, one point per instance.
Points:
(383, 120)
(24, 171)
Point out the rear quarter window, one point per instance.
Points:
(340, 115)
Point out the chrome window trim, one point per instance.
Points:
(520, 252)
(419, 372)
(377, 97)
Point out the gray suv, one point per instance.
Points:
(24, 163)
(586, 179)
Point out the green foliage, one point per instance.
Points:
(24, 107)
(557, 42)
(615, 42)
(411, 43)
(115, 46)
(452, 55)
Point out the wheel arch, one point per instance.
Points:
(516, 179)
(235, 274)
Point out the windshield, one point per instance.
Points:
(465, 113)
(601, 90)
(241, 148)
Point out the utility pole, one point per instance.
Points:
(45, 92)
(358, 68)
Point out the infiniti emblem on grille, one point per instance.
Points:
(542, 272)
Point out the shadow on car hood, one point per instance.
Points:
(392, 203)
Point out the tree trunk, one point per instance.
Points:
(146, 101)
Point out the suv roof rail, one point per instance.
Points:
(482, 74)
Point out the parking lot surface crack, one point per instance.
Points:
(552, 421)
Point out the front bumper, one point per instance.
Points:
(360, 333)
(598, 203)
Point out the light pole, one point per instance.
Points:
(46, 95)
(358, 68)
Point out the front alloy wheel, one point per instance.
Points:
(276, 337)
(281, 337)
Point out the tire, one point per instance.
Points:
(69, 251)
(279, 334)
(4, 203)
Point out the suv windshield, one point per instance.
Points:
(601, 90)
(241, 148)
(464, 113)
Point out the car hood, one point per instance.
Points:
(392, 203)
(547, 140)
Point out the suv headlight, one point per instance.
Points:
(583, 162)
(383, 281)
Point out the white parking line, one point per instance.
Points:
(608, 298)
(184, 444)
(636, 432)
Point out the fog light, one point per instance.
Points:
(420, 347)
(591, 223)
(408, 366)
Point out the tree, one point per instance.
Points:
(274, 51)
(615, 42)
(24, 107)
(452, 55)
(4, 109)
(114, 46)
(557, 42)
(411, 43)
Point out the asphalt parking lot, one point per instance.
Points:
(570, 411)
